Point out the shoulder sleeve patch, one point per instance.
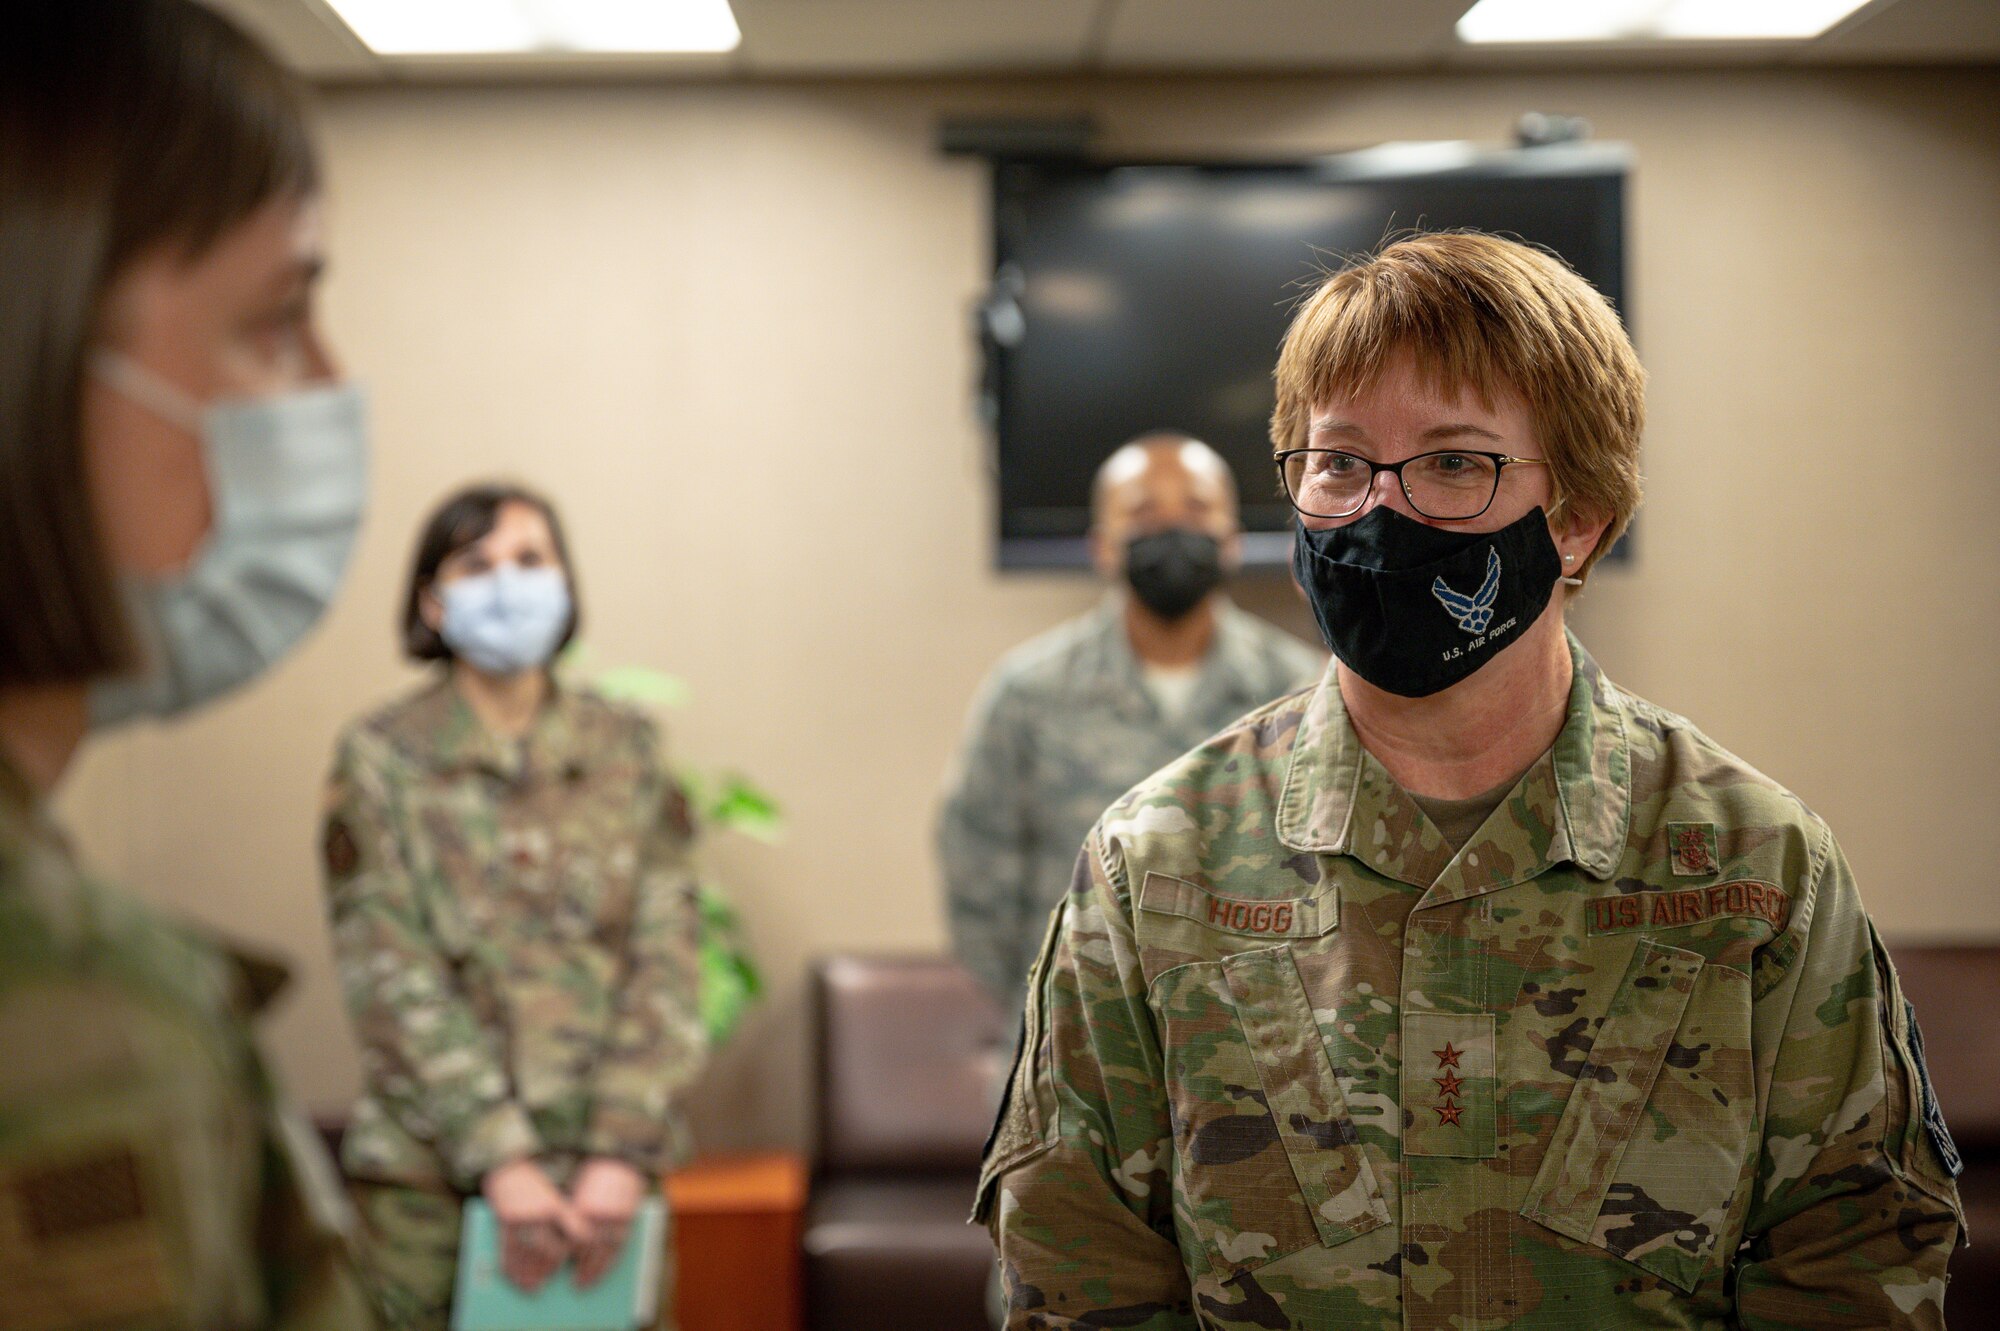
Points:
(79, 1244)
(1934, 1126)
(1025, 1126)
(1915, 1138)
(338, 847)
(71, 1199)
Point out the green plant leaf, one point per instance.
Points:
(729, 979)
(743, 807)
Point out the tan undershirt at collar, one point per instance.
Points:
(1459, 819)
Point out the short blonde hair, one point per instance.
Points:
(1487, 314)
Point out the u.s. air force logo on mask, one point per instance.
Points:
(1472, 613)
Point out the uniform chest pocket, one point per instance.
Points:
(1266, 1156)
(1647, 1159)
(597, 819)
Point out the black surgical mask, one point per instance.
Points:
(1170, 571)
(1414, 609)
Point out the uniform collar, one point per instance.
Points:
(440, 730)
(18, 796)
(1573, 805)
(24, 817)
(1232, 674)
(36, 859)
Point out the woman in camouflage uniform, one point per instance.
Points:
(1465, 990)
(180, 473)
(514, 919)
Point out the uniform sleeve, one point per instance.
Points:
(1853, 1212)
(985, 844)
(311, 1269)
(657, 1042)
(434, 1065)
(1075, 1188)
(145, 1165)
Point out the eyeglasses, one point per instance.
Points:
(1451, 485)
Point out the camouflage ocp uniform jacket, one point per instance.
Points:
(1633, 1056)
(151, 1175)
(516, 933)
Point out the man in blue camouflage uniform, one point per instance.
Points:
(1072, 719)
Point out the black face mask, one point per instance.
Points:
(1170, 571)
(1414, 609)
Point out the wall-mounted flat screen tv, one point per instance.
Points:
(1134, 296)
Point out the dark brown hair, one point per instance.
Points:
(125, 125)
(465, 517)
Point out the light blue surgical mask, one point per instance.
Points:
(507, 620)
(288, 481)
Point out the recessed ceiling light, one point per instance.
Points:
(1518, 21)
(560, 27)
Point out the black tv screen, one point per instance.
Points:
(1138, 296)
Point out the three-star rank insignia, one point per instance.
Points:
(1448, 1085)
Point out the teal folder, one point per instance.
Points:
(627, 1297)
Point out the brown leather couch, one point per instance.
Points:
(910, 1052)
(1956, 992)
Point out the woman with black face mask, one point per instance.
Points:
(1468, 985)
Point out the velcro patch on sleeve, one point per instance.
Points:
(1291, 917)
(80, 1245)
(73, 1199)
(1940, 1135)
(1675, 908)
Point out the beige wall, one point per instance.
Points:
(725, 327)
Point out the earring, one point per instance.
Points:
(1569, 559)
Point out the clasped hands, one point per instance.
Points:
(540, 1228)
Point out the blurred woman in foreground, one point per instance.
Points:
(181, 477)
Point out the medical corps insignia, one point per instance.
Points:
(1691, 848)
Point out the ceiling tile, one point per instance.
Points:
(924, 37)
(1955, 30)
(308, 35)
(1245, 34)
(842, 38)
